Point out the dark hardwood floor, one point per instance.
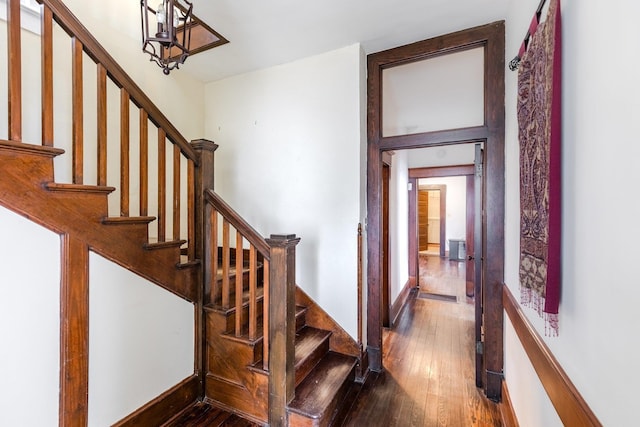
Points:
(204, 415)
(429, 360)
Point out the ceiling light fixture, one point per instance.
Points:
(166, 32)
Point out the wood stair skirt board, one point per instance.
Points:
(27, 188)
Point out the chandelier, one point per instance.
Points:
(166, 32)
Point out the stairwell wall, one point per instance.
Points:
(30, 329)
(291, 161)
(29, 322)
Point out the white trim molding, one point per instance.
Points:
(29, 16)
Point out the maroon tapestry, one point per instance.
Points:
(539, 133)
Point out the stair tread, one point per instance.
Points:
(23, 147)
(167, 244)
(307, 340)
(80, 188)
(316, 393)
(113, 220)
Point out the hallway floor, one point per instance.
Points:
(429, 360)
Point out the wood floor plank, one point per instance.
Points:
(429, 361)
(201, 414)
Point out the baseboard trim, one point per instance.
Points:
(507, 413)
(401, 301)
(565, 397)
(164, 407)
(362, 370)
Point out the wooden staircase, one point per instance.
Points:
(28, 187)
(236, 380)
(237, 358)
(264, 351)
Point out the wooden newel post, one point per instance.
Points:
(282, 326)
(204, 174)
(203, 180)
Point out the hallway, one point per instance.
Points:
(429, 360)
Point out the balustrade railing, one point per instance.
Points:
(234, 250)
(264, 283)
(240, 268)
(158, 189)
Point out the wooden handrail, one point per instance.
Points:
(63, 16)
(239, 223)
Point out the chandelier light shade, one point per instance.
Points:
(166, 32)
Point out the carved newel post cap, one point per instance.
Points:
(282, 239)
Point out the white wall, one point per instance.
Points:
(456, 203)
(141, 341)
(441, 92)
(449, 155)
(398, 224)
(29, 322)
(597, 345)
(290, 162)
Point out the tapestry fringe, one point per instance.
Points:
(531, 299)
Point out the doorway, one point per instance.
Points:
(491, 132)
(432, 219)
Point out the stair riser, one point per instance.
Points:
(307, 366)
(249, 399)
(137, 232)
(224, 353)
(301, 319)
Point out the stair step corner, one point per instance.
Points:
(21, 147)
(121, 220)
(79, 188)
(162, 245)
(319, 395)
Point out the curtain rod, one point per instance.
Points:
(513, 64)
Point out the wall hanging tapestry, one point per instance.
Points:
(539, 133)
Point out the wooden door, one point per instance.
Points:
(435, 219)
(423, 220)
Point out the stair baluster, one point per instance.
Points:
(15, 70)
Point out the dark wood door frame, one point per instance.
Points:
(491, 37)
(433, 172)
(386, 259)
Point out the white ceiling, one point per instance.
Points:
(264, 33)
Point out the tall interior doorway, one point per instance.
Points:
(487, 42)
(432, 218)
